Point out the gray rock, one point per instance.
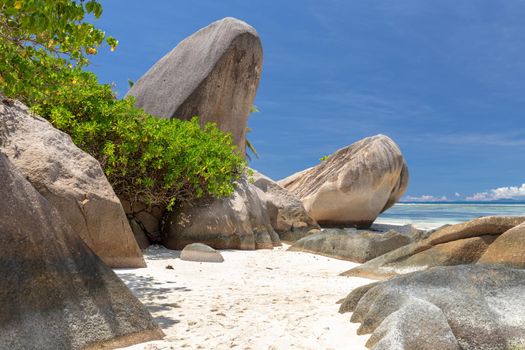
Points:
(55, 293)
(463, 243)
(72, 181)
(237, 222)
(484, 306)
(355, 245)
(287, 214)
(354, 185)
(200, 252)
(419, 325)
(213, 74)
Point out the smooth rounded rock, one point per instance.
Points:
(240, 221)
(213, 74)
(478, 307)
(55, 293)
(200, 252)
(72, 181)
(356, 245)
(464, 243)
(508, 249)
(287, 214)
(354, 185)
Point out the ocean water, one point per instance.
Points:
(432, 215)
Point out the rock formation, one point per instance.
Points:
(354, 185)
(213, 74)
(455, 307)
(237, 222)
(55, 293)
(508, 249)
(145, 221)
(72, 181)
(464, 243)
(287, 214)
(357, 245)
(201, 253)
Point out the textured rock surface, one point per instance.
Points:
(463, 243)
(200, 252)
(356, 245)
(55, 293)
(484, 307)
(508, 249)
(144, 219)
(287, 214)
(72, 181)
(238, 222)
(403, 329)
(213, 74)
(354, 185)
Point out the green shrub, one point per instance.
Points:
(44, 45)
(159, 161)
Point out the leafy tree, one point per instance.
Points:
(42, 41)
(44, 47)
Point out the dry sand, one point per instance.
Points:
(263, 299)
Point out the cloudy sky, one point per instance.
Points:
(444, 79)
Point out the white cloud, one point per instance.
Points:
(424, 198)
(457, 194)
(511, 192)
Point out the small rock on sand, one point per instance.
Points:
(200, 252)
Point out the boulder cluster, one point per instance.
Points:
(61, 225)
(487, 240)
(64, 228)
(214, 74)
(459, 287)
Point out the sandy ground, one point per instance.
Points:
(264, 299)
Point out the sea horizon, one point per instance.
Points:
(431, 215)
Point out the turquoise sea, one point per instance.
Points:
(432, 215)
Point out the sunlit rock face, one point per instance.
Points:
(240, 221)
(287, 214)
(354, 185)
(485, 240)
(72, 181)
(213, 74)
(55, 293)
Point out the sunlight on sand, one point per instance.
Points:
(263, 299)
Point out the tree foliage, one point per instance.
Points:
(41, 41)
(44, 47)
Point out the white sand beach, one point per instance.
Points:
(263, 299)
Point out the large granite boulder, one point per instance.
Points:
(354, 185)
(237, 222)
(213, 74)
(463, 243)
(471, 307)
(357, 245)
(71, 180)
(287, 214)
(55, 293)
(508, 249)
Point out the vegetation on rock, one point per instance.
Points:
(44, 46)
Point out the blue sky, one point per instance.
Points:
(444, 79)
